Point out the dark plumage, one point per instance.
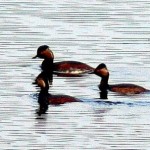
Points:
(45, 98)
(124, 88)
(63, 68)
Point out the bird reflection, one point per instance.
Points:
(45, 98)
(103, 94)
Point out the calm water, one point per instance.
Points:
(114, 32)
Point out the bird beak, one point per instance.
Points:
(34, 57)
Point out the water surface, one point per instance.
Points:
(113, 32)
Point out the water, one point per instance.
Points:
(113, 32)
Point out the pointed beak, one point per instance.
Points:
(34, 57)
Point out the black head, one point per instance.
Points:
(41, 50)
(101, 66)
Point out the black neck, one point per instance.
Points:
(43, 101)
(104, 83)
(44, 91)
(47, 65)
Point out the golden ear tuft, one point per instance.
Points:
(104, 72)
(40, 82)
(47, 54)
(52, 55)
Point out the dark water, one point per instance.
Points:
(114, 32)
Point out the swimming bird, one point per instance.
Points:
(45, 98)
(63, 68)
(123, 88)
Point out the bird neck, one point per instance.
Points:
(47, 65)
(43, 92)
(104, 83)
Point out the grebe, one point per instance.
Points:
(124, 88)
(63, 68)
(45, 98)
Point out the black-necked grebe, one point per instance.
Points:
(63, 68)
(124, 88)
(45, 98)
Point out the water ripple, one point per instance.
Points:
(113, 32)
